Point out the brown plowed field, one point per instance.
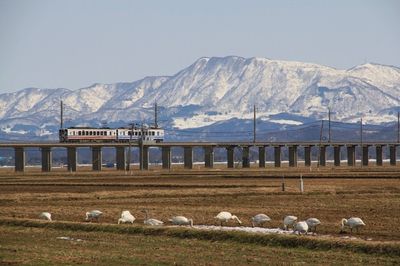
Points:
(201, 194)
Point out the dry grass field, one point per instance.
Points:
(370, 193)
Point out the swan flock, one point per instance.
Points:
(290, 221)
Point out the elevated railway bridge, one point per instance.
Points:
(209, 147)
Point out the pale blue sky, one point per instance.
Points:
(73, 44)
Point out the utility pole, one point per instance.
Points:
(254, 124)
(398, 127)
(155, 115)
(361, 132)
(128, 165)
(141, 147)
(329, 125)
(62, 114)
(320, 141)
(361, 138)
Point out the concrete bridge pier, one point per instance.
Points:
(365, 156)
(351, 155)
(166, 157)
(322, 155)
(209, 157)
(379, 155)
(307, 155)
(336, 155)
(96, 158)
(392, 153)
(188, 157)
(121, 158)
(19, 159)
(246, 157)
(277, 156)
(293, 156)
(229, 156)
(261, 156)
(46, 159)
(71, 159)
(144, 157)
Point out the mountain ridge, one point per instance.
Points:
(216, 89)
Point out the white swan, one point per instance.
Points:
(126, 217)
(45, 216)
(300, 227)
(312, 224)
(226, 216)
(181, 220)
(289, 221)
(93, 215)
(151, 221)
(260, 219)
(353, 222)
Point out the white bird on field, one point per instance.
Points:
(181, 220)
(126, 217)
(226, 216)
(289, 221)
(312, 224)
(300, 227)
(353, 222)
(45, 216)
(260, 219)
(151, 221)
(93, 215)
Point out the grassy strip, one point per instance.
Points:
(54, 184)
(239, 237)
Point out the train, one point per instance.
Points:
(106, 134)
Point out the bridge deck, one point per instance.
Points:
(195, 144)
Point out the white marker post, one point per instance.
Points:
(301, 184)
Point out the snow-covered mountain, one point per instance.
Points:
(213, 90)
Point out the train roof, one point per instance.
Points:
(88, 128)
(111, 128)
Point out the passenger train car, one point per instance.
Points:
(86, 134)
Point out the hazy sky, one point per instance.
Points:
(73, 44)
